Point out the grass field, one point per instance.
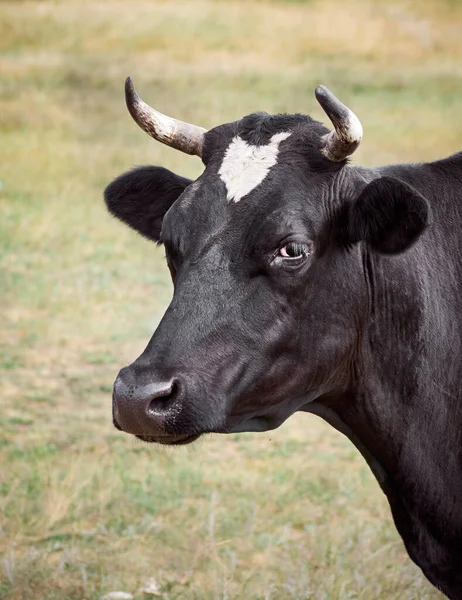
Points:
(84, 509)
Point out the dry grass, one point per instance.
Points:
(86, 510)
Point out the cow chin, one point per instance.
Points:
(165, 440)
(169, 440)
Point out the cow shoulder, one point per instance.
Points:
(141, 197)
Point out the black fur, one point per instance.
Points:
(141, 197)
(370, 338)
(388, 215)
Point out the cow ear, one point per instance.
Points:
(141, 197)
(389, 215)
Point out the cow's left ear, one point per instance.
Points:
(389, 215)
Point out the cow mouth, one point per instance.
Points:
(169, 440)
(166, 440)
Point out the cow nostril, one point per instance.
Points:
(162, 399)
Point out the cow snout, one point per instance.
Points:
(144, 408)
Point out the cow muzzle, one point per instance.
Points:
(149, 410)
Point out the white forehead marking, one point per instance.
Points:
(245, 166)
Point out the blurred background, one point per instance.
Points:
(84, 509)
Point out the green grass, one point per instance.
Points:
(84, 509)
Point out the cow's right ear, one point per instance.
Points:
(141, 197)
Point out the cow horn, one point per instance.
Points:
(348, 131)
(176, 134)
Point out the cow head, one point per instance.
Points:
(266, 250)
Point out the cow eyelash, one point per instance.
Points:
(292, 254)
(294, 251)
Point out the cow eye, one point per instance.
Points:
(294, 251)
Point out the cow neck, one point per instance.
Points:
(322, 409)
(403, 414)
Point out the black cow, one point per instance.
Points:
(304, 284)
